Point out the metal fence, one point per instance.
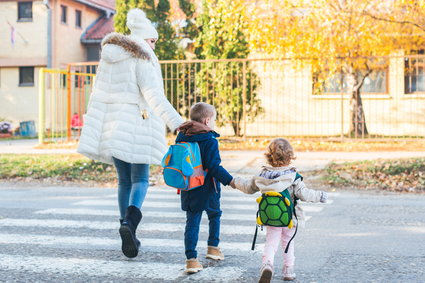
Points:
(63, 98)
(263, 97)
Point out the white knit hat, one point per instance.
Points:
(139, 25)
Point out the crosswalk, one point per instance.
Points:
(80, 240)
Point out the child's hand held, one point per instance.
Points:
(324, 197)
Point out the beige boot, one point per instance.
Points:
(214, 253)
(193, 266)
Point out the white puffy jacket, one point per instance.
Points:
(128, 81)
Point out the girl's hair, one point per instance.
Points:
(201, 111)
(279, 153)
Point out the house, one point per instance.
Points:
(45, 34)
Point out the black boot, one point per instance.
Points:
(130, 244)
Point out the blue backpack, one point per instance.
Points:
(183, 166)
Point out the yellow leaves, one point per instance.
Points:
(328, 29)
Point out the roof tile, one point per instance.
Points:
(110, 4)
(101, 28)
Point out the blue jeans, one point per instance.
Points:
(193, 221)
(133, 183)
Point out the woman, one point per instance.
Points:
(124, 124)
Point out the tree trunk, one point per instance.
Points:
(236, 127)
(357, 118)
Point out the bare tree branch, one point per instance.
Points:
(401, 22)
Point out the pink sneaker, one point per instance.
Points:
(266, 273)
(288, 273)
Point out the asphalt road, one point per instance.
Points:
(70, 234)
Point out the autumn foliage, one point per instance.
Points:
(347, 39)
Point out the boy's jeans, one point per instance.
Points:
(133, 183)
(193, 220)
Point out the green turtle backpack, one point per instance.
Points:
(277, 210)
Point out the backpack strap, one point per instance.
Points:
(166, 159)
(255, 238)
(296, 227)
(298, 176)
(255, 235)
(187, 168)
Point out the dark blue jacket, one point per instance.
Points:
(196, 200)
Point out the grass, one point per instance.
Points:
(404, 175)
(57, 167)
(12, 138)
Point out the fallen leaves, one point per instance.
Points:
(401, 175)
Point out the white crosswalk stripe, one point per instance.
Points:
(249, 206)
(175, 197)
(146, 214)
(60, 228)
(108, 243)
(123, 269)
(149, 204)
(103, 225)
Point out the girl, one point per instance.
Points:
(277, 177)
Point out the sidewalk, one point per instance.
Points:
(306, 161)
(239, 161)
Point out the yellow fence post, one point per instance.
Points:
(68, 101)
(41, 106)
(244, 98)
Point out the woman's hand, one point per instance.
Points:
(233, 183)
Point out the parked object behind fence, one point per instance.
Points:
(27, 129)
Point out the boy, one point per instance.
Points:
(200, 129)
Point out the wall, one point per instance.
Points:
(21, 103)
(67, 46)
(292, 110)
(30, 37)
(18, 103)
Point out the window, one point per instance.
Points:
(63, 80)
(24, 11)
(77, 18)
(414, 72)
(26, 76)
(63, 14)
(376, 82)
(93, 53)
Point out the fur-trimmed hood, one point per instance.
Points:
(117, 47)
